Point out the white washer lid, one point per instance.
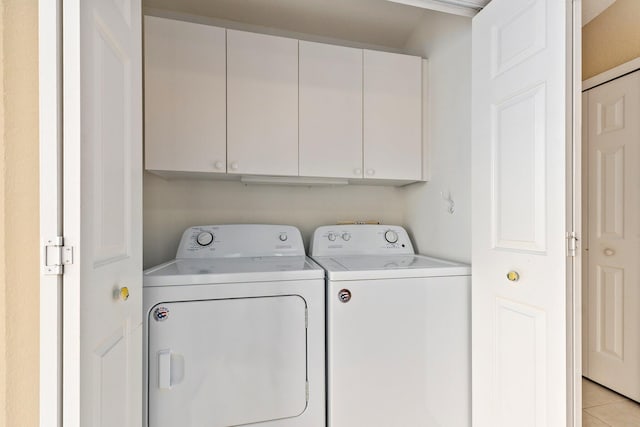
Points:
(232, 270)
(363, 267)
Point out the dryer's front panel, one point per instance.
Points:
(227, 362)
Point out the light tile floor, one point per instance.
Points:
(602, 407)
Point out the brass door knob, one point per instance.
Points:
(513, 276)
(124, 293)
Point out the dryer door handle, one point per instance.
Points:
(164, 369)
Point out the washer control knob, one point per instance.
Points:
(283, 237)
(204, 238)
(346, 237)
(391, 236)
(331, 236)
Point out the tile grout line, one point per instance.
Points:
(593, 416)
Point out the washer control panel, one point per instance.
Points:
(240, 240)
(365, 239)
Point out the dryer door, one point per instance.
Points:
(227, 362)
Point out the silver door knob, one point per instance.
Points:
(609, 252)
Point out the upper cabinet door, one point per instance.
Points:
(262, 104)
(185, 96)
(330, 111)
(392, 116)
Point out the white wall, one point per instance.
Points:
(446, 41)
(170, 206)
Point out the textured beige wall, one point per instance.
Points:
(612, 38)
(19, 234)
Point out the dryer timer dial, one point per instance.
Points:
(204, 238)
(391, 236)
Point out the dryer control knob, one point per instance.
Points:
(283, 237)
(204, 238)
(346, 237)
(391, 236)
(331, 236)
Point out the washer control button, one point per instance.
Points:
(346, 237)
(391, 236)
(204, 238)
(283, 237)
(331, 237)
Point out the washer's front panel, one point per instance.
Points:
(227, 362)
(398, 352)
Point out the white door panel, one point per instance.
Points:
(520, 122)
(102, 213)
(185, 96)
(392, 121)
(613, 137)
(330, 110)
(262, 104)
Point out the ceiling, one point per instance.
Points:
(371, 22)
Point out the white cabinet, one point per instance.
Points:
(240, 103)
(185, 96)
(392, 116)
(262, 104)
(330, 111)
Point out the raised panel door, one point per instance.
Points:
(613, 138)
(521, 196)
(102, 318)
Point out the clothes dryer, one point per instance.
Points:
(234, 331)
(398, 330)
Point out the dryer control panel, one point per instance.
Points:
(365, 239)
(230, 241)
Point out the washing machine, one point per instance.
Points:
(235, 331)
(398, 330)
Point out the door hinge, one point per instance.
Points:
(55, 256)
(572, 243)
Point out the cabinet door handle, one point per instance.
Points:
(371, 172)
(218, 165)
(357, 172)
(234, 166)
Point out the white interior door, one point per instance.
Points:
(521, 136)
(613, 137)
(102, 80)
